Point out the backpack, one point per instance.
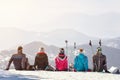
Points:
(114, 70)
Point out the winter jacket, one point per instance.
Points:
(81, 62)
(99, 63)
(61, 62)
(41, 61)
(19, 61)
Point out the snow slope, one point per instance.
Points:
(7, 75)
(47, 75)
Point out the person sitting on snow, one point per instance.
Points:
(81, 62)
(19, 60)
(61, 62)
(99, 61)
(41, 60)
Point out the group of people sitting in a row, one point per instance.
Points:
(21, 62)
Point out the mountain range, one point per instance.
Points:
(32, 48)
(12, 37)
(52, 41)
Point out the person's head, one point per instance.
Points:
(20, 48)
(81, 50)
(42, 49)
(62, 50)
(99, 50)
(61, 53)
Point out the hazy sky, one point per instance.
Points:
(47, 15)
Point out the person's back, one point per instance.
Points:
(61, 64)
(41, 61)
(99, 62)
(81, 62)
(61, 61)
(19, 60)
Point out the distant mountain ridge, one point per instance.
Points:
(115, 43)
(58, 37)
(11, 37)
(32, 48)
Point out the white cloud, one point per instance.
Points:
(42, 15)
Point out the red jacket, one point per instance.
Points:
(61, 62)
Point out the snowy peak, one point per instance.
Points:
(16, 37)
(32, 48)
(59, 36)
(115, 43)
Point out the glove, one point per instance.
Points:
(7, 69)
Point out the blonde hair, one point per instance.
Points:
(42, 49)
(81, 49)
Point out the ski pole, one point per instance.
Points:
(66, 47)
(90, 43)
(67, 50)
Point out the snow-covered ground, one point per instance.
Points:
(47, 75)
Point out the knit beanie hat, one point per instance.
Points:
(62, 51)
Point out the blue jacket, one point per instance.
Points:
(81, 62)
